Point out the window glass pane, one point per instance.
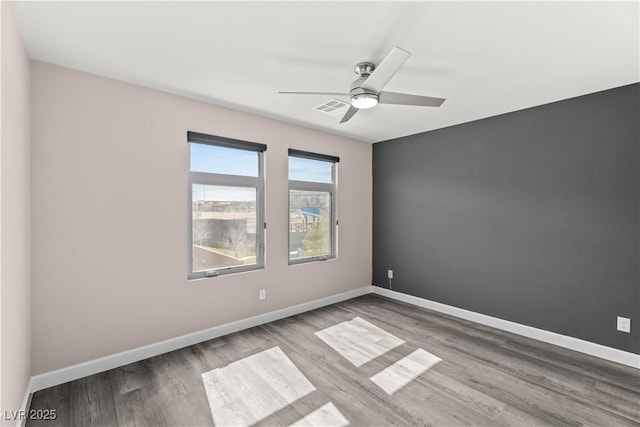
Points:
(310, 170)
(224, 226)
(229, 161)
(309, 224)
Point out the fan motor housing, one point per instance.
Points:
(362, 98)
(357, 90)
(364, 68)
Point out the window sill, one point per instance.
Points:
(298, 261)
(212, 274)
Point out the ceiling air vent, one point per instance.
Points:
(333, 107)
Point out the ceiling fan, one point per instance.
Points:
(366, 91)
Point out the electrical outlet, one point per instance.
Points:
(390, 274)
(262, 294)
(624, 324)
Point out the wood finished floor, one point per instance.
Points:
(486, 378)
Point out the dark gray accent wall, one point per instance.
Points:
(531, 216)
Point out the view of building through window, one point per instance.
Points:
(226, 186)
(224, 226)
(309, 223)
(311, 208)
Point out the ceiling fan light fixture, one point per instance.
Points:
(367, 90)
(362, 101)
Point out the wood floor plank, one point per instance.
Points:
(567, 387)
(179, 392)
(485, 377)
(92, 401)
(55, 399)
(136, 404)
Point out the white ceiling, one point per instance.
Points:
(486, 58)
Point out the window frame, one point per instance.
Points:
(330, 188)
(226, 180)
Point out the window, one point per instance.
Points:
(312, 206)
(226, 203)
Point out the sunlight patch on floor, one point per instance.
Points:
(251, 389)
(326, 415)
(359, 341)
(394, 377)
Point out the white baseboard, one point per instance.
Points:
(587, 347)
(60, 376)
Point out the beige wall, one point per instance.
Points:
(110, 164)
(15, 276)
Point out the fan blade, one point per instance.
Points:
(316, 93)
(350, 112)
(406, 99)
(387, 69)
